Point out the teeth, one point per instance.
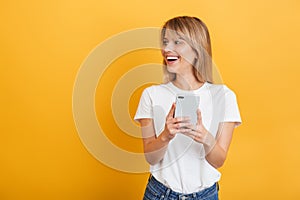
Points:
(172, 58)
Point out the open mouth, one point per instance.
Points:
(172, 58)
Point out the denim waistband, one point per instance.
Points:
(162, 189)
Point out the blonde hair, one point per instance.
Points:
(197, 36)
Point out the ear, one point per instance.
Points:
(195, 61)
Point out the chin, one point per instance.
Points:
(171, 69)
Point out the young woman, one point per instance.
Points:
(184, 157)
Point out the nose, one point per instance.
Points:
(168, 47)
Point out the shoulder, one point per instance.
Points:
(157, 89)
(220, 89)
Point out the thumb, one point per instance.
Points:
(171, 112)
(199, 117)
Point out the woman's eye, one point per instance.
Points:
(165, 42)
(177, 42)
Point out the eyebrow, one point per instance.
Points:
(179, 37)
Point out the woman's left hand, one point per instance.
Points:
(200, 134)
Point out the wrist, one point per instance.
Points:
(165, 137)
(209, 142)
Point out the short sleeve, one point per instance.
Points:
(144, 109)
(232, 113)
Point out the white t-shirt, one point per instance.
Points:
(184, 167)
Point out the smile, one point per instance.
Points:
(172, 58)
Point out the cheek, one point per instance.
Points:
(189, 56)
(187, 51)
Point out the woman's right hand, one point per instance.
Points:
(155, 147)
(175, 125)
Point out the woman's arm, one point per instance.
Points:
(215, 149)
(155, 147)
(216, 155)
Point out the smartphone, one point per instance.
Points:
(186, 106)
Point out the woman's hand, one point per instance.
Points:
(175, 125)
(155, 147)
(215, 149)
(200, 134)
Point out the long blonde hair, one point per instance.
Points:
(197, 36)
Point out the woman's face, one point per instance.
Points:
(178, 54)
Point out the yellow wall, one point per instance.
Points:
(43, 44)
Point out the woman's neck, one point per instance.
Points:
(187, 82)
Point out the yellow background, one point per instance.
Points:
(43, 43)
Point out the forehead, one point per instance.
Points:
(169, 33)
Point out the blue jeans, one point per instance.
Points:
(157, 191)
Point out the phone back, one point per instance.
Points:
(186, 106)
